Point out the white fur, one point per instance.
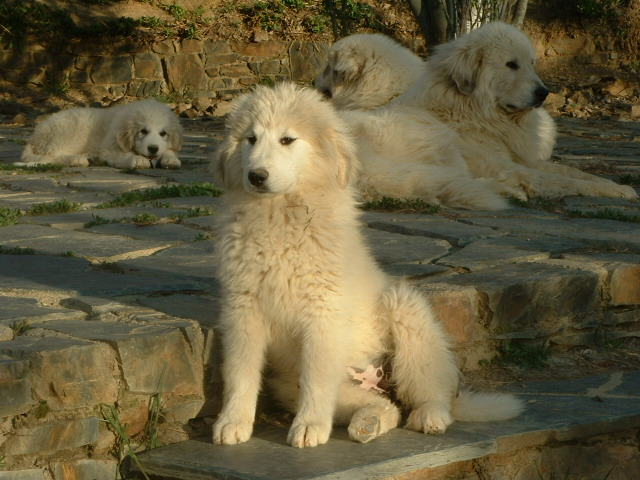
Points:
(140, 134)
(484, 86)
(302, 294)
(367, 70)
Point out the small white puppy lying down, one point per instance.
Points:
(142, 134)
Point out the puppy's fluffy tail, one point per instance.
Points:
(485, 407)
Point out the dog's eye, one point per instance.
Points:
(252, 139)
(512, 65)
(287, 140)
(163, 133)
(144, 131)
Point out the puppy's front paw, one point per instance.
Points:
(138, 161)
(169, 161)
(430, 417)
(308, 435)
(228, 432)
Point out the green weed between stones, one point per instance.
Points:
(9, 216)
(17, 251)
(166, 191)
(390, 204)
(60, 206)
(24, 169)
(629, 179)
(604, 214)
(123, 441)
(522, 355)
(20, 328)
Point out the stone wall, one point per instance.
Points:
(203, 72)
(197, 70)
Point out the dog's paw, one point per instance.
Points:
(227, 432)
(308, 435)
(169, 161)
(364, 426)
(430, 417)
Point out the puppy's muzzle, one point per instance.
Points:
(257, 177)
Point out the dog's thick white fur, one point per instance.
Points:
(484, 86)
(140, 134)
(367, 70)
(302, 294)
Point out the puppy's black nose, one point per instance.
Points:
(541, 93)
(152, 149)
(258, 176)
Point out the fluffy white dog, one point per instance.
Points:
(142, 134)
(302, 294)
(484, 86)
(367, 70)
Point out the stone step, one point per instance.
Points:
(586, 426)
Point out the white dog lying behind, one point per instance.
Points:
(484, 85)
(140, 134)
(367, 70)
(302, 293)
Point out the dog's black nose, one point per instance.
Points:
(258, 176)
(541, 94)
(152, 149)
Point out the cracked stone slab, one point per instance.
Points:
(42, 275)
(93, 247)
(18, 309)
(455, 233)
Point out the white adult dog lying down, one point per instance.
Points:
(482, 86)
(143, 134)
(367, 70)
(302, 293)
(485, 87)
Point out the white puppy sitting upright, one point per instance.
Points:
(143, 134)
(302, 293)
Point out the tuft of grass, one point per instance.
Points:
(390, 204)
(24, 169)
(605, 214)
(42, 409)
(522, 355)
(20, 328)
(123, 441)
(629, 179)
(60, 206)
(110, 267)
(166, 191)
(17, 251)
(9, 216)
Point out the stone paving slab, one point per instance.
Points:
(136, 298)
(556, 412)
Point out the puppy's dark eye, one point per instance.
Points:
(252, 139)
(512, 65)
(144, 131)
(287, 140)
(163, 133)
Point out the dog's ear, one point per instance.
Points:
(345, 154)
(226, 167)
(346, 64)
(125, 136)
(176, 136)
(460, 64)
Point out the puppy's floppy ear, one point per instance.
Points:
(346, 64)
(226, 167)
(461, 64)
(175, 135)
(343, 150)
(125, 135)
